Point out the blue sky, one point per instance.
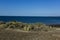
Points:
(29, 7)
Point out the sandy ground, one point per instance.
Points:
(21, 35)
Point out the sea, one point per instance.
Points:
(31, 19)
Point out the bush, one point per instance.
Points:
(12, 26)
(2, 26)
(26, 26)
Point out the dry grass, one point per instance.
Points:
(24, 31)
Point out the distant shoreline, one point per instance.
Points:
(27, 16)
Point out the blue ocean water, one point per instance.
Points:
(31, 19)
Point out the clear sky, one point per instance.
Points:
(29, 7)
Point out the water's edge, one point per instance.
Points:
(32, 19)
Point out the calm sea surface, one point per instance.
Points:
(27, 19)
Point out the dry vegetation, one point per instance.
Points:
(25, 26)
(35, 31)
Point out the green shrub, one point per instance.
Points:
(12, 26)
(26, 26)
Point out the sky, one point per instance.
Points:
(29, 7)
